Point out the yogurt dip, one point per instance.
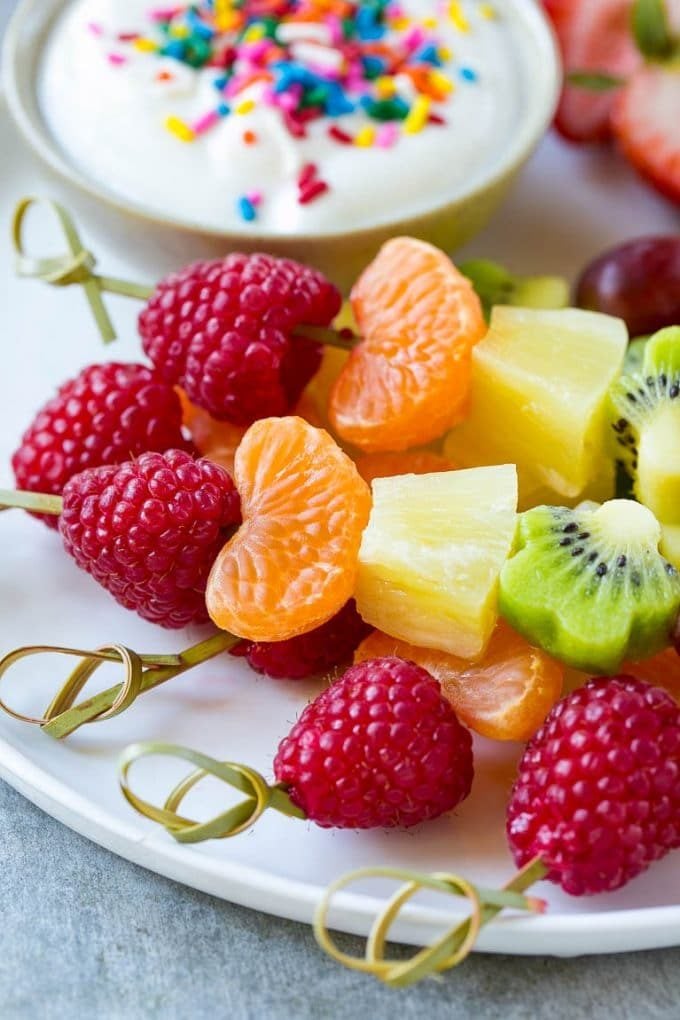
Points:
(298, 122)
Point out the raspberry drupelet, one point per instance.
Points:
(224, 331)
(107, 414)
(149, 531)
(380, 747)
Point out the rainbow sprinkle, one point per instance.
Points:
(246, 208)
(311, 60)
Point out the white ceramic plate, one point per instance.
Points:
(281, 865)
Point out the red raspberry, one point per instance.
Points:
(223, 331)
(380, 747)
(106, 415)
(149, 530)
(597, 797)
(310, 654)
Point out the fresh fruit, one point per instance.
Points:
(333, 360)
(431, 556)
(408, 380)
(216, 440)
(310, 654)
(638, 281)
(105, 415)
(670, 543)
(662, 670)
(219, 440)
(410, 462)
(635, 355)
(149, 530)
(589, 586)
(533, 493)
(594, 37)
(505, 695)
(225, 331)
(292, 564)
(597, 797)
(494, 285)
(381, 747)
(539, 396)
(646, 125)
(646, 423)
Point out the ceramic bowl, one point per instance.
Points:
(342, 254)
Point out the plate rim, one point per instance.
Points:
(629, 929)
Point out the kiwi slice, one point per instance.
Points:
(646, 424)
(590, 586)
(635, 353)
(495, 285)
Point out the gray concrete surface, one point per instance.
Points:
(86, 935)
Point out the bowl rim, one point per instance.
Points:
(536, 120)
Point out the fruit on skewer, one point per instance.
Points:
(219, 440)
(646, 424)
(661, 670)
(229, 331)
(597, 797)
(432, 553)
(504, 695)
(638, 281)
(538, 397)
(407, 380)
(496, 285)
(148, 530)
(380, 748)
(411, 462)
(292, 564)
(670, 543)
(224, 330)
(314, 653)
(590, 586)
(595, 802)
(107, 414)
(216, 440)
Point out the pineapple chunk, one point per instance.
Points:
(539, 396)
(431, 555)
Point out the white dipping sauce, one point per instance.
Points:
(109, 119)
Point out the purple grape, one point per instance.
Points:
(638, 281)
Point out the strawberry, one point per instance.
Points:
(646, 124)
(594, 36)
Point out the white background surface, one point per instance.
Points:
(567, 206)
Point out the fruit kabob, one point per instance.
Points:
(270, 557)
(594, 803)
(279, 551)
(371, 286)
(110, 410)
(242, 335)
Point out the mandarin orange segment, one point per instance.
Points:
(293, 562)
(407, 382)
(216, 440)
(219, 440)
(662, 670)
(505, 695)
(410, 462)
